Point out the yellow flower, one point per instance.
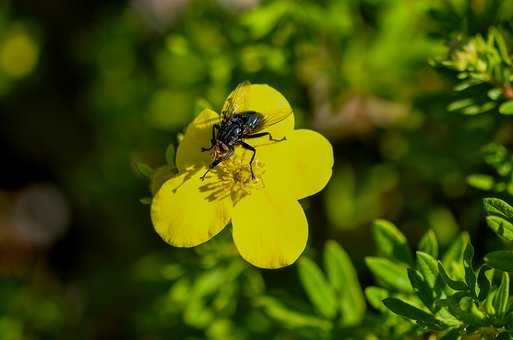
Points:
(270, 229)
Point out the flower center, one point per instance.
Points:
(233, 178)
(237, 178)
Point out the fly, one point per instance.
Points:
(237, 126)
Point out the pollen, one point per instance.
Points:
(236, 174)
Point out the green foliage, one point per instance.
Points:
(342, 276)
(451, 296)
(500, 259)
(390, 242)
(321, 294)
(497, 157)
(487, 62)
(145, 170)
(429, 244)
(205, 293)
(335, 294)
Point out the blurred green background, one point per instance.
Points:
(89, 89)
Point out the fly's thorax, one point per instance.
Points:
(231, 131)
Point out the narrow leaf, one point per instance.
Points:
(460, 104)
(429, 244)
(144, 169)
(501, 259)
(408, 311)
(501, 227)
(391, 242)
(375, 296)
(483, 282)
(470, 275)
(428, 267)
(343, 277)
(420, 286)
(453, 334)
(390, 274)
(319, 292)
(500, 301)
(291, 318)
(496, 206)
(494, 93)
(453, 257)
(506, 108)
(463, 307)
(480, 181)
(454, 284)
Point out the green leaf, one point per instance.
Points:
(391, 242)
(470, 275)
(506, 108)
(291, 318)
(463, 307)
(501, 44)
(375, 296)
(466, 84)
(484, 282)
(320, 293)
(496, 206)
(501, 259)
(429, 244)
(460, 104)
(500, 302)
(408, 311)
(453, 257)
(453, 334)
(428, 267)
(421, 288)
(343, 277)
(144, 169)
(145, 200)
(454, 284)
(480, 181)
(446, 317)
(170, 156)
(476, 109)
(501, 227)
(390, 274)
(494, 93)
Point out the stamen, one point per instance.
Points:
(237, 179)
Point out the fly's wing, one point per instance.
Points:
(235, 101)
(274, 118)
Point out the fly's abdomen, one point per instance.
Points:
(253, 121)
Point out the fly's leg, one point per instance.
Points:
(217, 162)
(213, 141)
(252, 149)
(262, 134)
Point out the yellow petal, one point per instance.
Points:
(197, 135)
(270, 231)
(272, 104)
(187, 211)
(301, 165)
